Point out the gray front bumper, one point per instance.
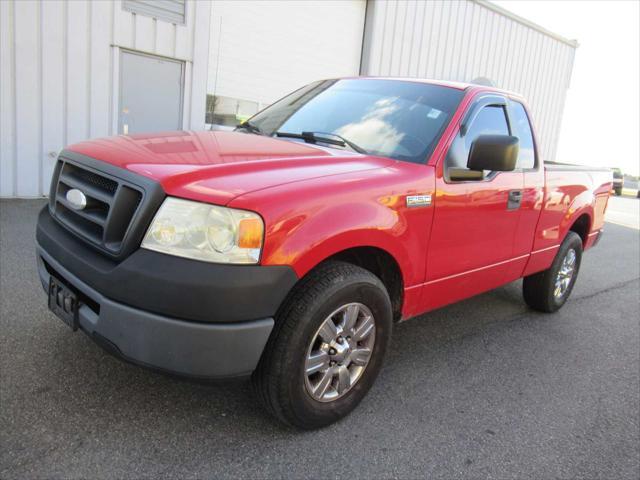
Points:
(193, 349)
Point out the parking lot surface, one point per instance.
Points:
(484, 388)
(624, 211)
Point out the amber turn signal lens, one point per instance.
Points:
(250, 233)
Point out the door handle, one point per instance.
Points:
(515, 199)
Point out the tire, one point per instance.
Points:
(618, 191)
(540, 289)
(281, 382)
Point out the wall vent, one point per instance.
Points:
(172, 11)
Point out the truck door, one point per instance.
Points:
(475, 220)
(533, 190)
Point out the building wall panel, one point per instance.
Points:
(27, 95)
(465, 39)
(7, 100)
(100, 61)
(53, 88)
(261, 51)
(60, 79)
(78, 74)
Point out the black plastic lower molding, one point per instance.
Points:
(168, 285)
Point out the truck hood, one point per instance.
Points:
(216, 166)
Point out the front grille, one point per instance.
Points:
(111, 204)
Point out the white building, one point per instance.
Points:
(73, 70)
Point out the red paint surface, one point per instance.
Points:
(317, 202)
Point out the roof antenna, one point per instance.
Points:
(483, 81)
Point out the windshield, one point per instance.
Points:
(391, 118)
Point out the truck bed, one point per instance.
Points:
(569, 167)
(570, 188)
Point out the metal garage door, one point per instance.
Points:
(260, 51)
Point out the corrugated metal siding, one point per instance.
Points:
(169, 10)
(59, 77)
(465, 39)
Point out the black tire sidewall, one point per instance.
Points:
(303, 405)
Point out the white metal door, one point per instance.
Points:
(150, 93)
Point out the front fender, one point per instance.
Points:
(309, 221)
(306, 241)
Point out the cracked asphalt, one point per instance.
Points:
(484, 388)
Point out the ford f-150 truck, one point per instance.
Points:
(288, 249)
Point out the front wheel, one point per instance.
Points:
(548, 290)
(327, 346)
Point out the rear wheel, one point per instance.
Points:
(548, 290)
(327, 346)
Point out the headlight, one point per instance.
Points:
(205, 232)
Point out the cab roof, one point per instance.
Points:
(443, 83)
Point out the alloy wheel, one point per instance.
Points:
(565, 274)
(339, 352)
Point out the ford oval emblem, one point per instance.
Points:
(77, 200)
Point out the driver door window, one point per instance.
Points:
(491, 120)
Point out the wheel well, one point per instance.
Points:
(383, 266)
(581, 226)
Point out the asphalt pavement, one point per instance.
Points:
(482, 389)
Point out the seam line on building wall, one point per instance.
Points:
(41, 104)
(487, 57)
(422, 22)
(509, 70)
(184, 67)
(134, 36)
(175, 40)
(89, 68)
(65, 73)
(431, 26)
(393, 39)
(447, 61)
(14, 179)
(154, 22)
(111, 66)
(413, 32)
(552, 53)
(466, 33)
(208, 57)
(364, 33)
(402, 33)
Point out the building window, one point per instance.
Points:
(229, 111)
(172, 11)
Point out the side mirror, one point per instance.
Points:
(496, 153)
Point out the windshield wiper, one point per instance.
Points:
(323, 137)
(249, 127)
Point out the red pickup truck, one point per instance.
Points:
(288, 248)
